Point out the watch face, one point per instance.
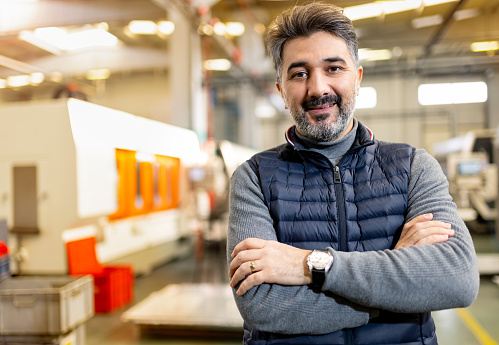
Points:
(319, 260)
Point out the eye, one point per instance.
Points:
(334, 69)
(299, 75)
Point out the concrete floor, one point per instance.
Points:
(108, 329)
(476, 325)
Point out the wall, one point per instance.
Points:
(146, 95)
(399, 117)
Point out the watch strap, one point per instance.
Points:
(318, 278)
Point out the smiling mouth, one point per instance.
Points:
(320, 107)
(322, 104)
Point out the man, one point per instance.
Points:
(336, 237)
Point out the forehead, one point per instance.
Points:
(315, 48)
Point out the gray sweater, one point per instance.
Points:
(359, 284)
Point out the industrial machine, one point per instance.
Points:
(469, 164)
(71, 169)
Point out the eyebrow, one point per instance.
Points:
(305, 63)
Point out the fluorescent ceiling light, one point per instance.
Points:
(205, 29)
(219, 29)
(56, 77)
(378, 8)
(52, 35)
(98, 74)
(234, 28)
(166, 27)
(3, 83)
(37, 78)
(31, 38)
(436, 2)
(63, 40)
(143, 27)
(90, 38)
(381, 54)
(466, 14)
(363, 11)
(484, 46)
(229, 28)
(374, 55)
(18, 80)
(217, 65)
(399, 6)
(424, 22)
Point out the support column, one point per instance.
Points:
(249, 124)
(188, 103)
(492, 109)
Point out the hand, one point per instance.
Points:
(423, 230)
(273, 262)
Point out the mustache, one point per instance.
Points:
(322, 100)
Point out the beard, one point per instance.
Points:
(321, 130)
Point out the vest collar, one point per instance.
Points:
(295, 151)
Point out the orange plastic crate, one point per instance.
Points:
(113, 288)
(113, 285)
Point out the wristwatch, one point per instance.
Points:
(319, 262)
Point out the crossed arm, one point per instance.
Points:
(279, 263)
(414, 277)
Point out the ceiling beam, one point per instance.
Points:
(18, 65)
(445, 24)
(16, 16)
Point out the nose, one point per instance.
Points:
(318, 85)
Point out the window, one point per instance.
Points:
(452, 93)
(367, 98)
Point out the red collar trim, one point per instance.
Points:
(287, 136)
(370, 132)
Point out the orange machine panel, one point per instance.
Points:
(168, 181)
(127, 187)
(145, 186)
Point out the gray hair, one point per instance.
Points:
(303, 21)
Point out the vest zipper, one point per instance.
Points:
(340, 201)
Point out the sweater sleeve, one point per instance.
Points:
(273, 307)
(418, 278)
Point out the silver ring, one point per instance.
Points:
(252, 266)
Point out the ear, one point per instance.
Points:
(360, 73)
(282, 95)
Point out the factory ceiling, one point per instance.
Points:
(425, 40)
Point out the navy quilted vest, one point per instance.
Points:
(358, 205)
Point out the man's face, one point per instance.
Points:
(319, 85)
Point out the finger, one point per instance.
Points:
(419, 219)
(430, 231)
(242, 272)
(249, 243)
(432, 239)
(421, 228)
(243, 257)
(420, 234)
(249, 282)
